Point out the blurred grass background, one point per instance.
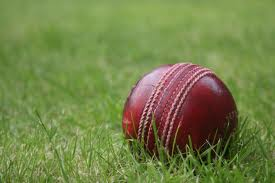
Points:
(76, 61)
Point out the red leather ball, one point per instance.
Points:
(182, 100)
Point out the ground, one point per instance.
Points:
(66, 68)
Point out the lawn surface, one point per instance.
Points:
(66, 68)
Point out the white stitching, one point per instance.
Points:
(158, 92)
(148, 103)
(166, 122)
(185, 93)
(164, 111)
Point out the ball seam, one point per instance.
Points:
(184, 94)
(151, 110)
(148, 103)
(172, 98)
(186, 65)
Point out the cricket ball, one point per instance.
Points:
(180, 101)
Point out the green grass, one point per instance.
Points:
(66, 68)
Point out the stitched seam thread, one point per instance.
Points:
(162, 94)
(167, 112)
(148, 103)
(157, 94)
(184, 94)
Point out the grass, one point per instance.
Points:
(66, 68)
